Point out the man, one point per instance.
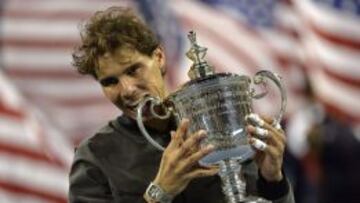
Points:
(118, 164)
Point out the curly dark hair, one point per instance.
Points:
(108, 30)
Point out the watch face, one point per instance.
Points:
(153, 192)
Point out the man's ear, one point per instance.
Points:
(159, 54)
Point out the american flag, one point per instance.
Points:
(46, 107)
(320, 38)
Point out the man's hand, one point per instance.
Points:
(179, 163)
(269, 143)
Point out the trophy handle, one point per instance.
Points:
(139, 118)
(260, 78)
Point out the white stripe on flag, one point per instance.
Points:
(337, 23)
(56, 88)
(33, 174)
(6, 197)
(338, 59)
(35, 29)
(336, 93)
(44, 59)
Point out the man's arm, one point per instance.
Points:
(269, 140)
(88, 184)
(277, 192)
(87, 181)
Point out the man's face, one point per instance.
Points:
(127, 76)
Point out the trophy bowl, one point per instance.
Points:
(218, 104)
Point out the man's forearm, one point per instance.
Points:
(277, 192)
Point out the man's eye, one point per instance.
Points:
(132, 71)
(109, 81)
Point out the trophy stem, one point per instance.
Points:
(233, 185)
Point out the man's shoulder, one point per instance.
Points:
(90, 145)
(104, 131)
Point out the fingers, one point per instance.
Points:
(179, 163)
(191, 152)
(260, 132)
(178, 137)
(203, 172)
(187, 151)
(182, 130)
(255, 119)
(265, 135)
(273, 122)
(192, 143)
(264, 123)
(267, 120)
(258, 144)
(274, 152)
(194, 158)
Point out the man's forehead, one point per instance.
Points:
(121, 57)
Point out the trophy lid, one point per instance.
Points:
(200, 68)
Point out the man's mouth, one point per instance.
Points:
(133, 106)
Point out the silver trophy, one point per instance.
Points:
(217, 103)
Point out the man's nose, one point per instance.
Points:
(128, 88)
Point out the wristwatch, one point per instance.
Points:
(156, 194)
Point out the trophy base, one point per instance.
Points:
(254, 199)
(240, 154)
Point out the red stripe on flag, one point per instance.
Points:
(34, 73)
(21, 189)
(5, 110)
(315, 63)
(30, 154)
(38, 43)
(347, 80)
(350, 43)
(338, 113)
(70, 102)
